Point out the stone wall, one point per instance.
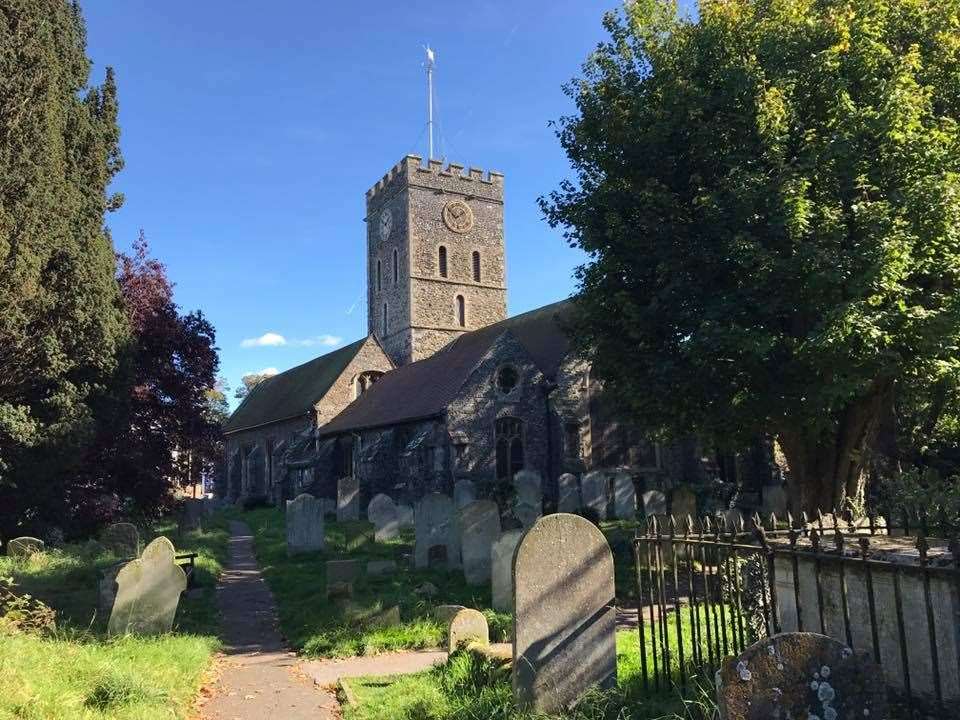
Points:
(243, 442)
(370, 357)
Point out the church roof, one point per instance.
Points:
(293, 392)
(425, 388)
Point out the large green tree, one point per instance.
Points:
(61, 321)
(770, 196)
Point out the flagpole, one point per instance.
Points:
(430, 100)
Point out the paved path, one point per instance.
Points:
(259, 677)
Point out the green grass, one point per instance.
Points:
(328, 629)
(78, 673)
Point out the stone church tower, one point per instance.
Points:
(435, 256)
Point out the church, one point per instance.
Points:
(445, 386)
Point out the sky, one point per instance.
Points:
(251, 132)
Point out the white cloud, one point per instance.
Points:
(322, 340)
(269, 371)
(270, 339)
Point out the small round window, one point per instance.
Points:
(506, 379)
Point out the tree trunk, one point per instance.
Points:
(828, 468)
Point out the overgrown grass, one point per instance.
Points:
(78, 673)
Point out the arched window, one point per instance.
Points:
(476, 266)
(461, 311)
(365, 380)
(509, 443)
(379, 278)
(443, 261)
(383, 332)
(396, 267)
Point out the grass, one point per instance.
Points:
(78, 673)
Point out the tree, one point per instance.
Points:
(770, 197)
(250, 381)
(61, 323)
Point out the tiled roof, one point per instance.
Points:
(291, 393)
(425, 388)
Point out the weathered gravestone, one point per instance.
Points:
(800, 675)
(683, 503)
(24, 547)
(467, 626)
(444, 613)
(148, 592)
(501, 571)
(341, 575)
(191, 515)
(437, 536)
(348, 499)
(122, 539)
(464, 493)
(568, 493)
(304, 525)
(479, 529)
(564, 616)
(624, 497)
(107, 587)
(654, 503)
(528, 497)
(405, 516)
(593, 491)
(382, 512)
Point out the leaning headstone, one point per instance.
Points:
(683, 502)
(348, 499)
(624, 497)
(593, 491)
(122, 539)
(800, 675)
(304, 525)
(568, 493)
(341, 575)
(654, 503)
(405, 517)
(479, 529)
(501, 570)
(564, 617)
(382, 512)
(437, 536)
(24, 547)
(467, 626)
(464, 493)
(148, 592)
(528, 497)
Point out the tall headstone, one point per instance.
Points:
(348, 499)
(382, 512)
(305, 532)
(437, 535)
(122, 539)
(528, 497)
(465, 627)
(564, 617)
(568, 493)
(624, 497)
(501, 570)
(464, 493)
(683, 502)
(479, 529)
(148, 592)
(593, 490)
(405, 517)
(654, 503)
(24, 547)
(800, 675)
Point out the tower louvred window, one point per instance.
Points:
(442, 260)
(476, 266)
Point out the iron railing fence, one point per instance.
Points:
(708, 589)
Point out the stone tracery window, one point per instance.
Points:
(507, 379)
(510, 450)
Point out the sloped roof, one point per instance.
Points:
(293, 392)
(425, 388)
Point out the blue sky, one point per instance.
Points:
(252, 130)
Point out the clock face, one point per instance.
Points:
(386, 225)
(458, 216)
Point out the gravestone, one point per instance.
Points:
(382, 512)
(148, 592)
(624, 497)
(348, 499)
(800, 675)
(464, 493)
(304, 520)
(467, 626)
(593, 491)
(122, 539)
(654, 503)
(775, 501)
(389, 617)
(191, 515)
(107, 587)
(341, 574)
(24, 547)
(683, 502)
(436, 529)
(444, 613)
(405, 517)
(501, 570)
(564, 616)
(380, 568)
(479, 529)
(568, 493)
(528, 497)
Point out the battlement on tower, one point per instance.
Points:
(453, 178)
